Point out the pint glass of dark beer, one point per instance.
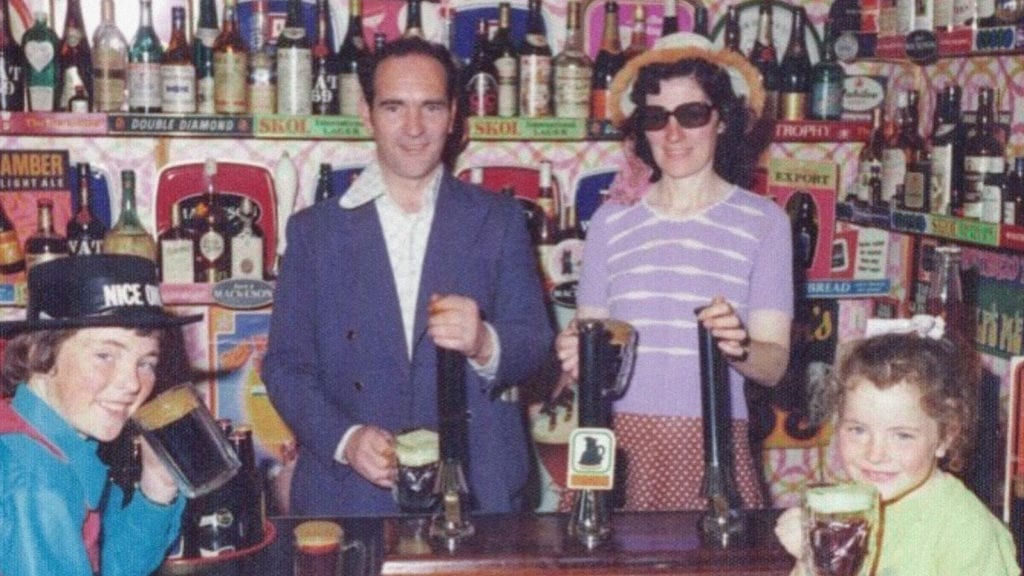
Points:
(187, 439)
(320, 547)
(418, 464)
(838, 520)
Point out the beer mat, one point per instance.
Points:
(181, 566)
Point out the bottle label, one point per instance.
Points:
(10, 249)
(325, 86)
(865, 170)
(535, 86)
(482, 91)
(262, 97)
(980, 173)
(572, 91)
(508, 96)
(963, 12)
(215, 533)
(211, 246)
(991, 204)
(894, 169)
(247, 257)
(294, 77)
(40, 98)
(916, 187)
(351, 94)
(205, 95)
(71, 79)
(177, 261)
(827, 100)
(1009, 212)
(942, 178)
(178, 85)
(144, 85)
(229, 88)
(943, 14)
(793, 105)
(84, 246)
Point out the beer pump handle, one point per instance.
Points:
(451, 403)
(592, 374)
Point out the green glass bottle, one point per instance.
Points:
(144, 58)
(128, 235)
(41, 44)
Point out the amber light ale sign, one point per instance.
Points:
(33, 170)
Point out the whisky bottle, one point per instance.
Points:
(547, 226)
(110, 66)
(128, 235)
(12, 259)
(827, 79)
(13, 68)
(638, 34)
(202, 56)
(352, 50)
(764, 56)
(607, 63)
(413, 20)
(246, 246)
(573, 70)
(506, 63)
(213, 259)
(85, 230)
(480, 85)
(869, 161)
(75, 57)
(43, 76)
(177, 73)
(1013, 194)
(261, 82)
(669, 18)
(947, 153)
(795, 71)
(177, 249)
(918, 176)
(46, 244)
(324, 92)
(230, 65)
(294, 64)
(144, 58)
(535, 67)
(983, 162)
(894, 159)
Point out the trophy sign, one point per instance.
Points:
(606, 351)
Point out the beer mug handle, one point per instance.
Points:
(361, 548)
(600, 450)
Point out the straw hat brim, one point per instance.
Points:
(744, 76)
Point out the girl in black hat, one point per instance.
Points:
(76, 369)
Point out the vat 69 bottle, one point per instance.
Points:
(12, 66)
(85, 230)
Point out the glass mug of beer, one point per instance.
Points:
(319, 548)
(417, 452)
(838, 521)
(187, 439)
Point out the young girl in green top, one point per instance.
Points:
(906, 416)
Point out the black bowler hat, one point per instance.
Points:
(94, 291)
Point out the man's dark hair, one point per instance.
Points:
(407, 47)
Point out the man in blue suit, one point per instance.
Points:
(352, 353)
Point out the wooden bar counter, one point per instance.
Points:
(655, 543)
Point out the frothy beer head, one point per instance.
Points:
(841, 498)
(316, 535)
(166, 408)
(417, 447)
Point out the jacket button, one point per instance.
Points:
(350, 335)
(358, 386)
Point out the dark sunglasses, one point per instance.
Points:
(689, 115)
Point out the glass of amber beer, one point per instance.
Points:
(187, 439)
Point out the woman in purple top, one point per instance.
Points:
(695, 238)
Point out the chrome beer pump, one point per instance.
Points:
(606, 352)
(451, 523)
(722, 524)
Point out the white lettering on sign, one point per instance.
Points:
(123, 295)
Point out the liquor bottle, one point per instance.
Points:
(110, 63)
(79, 103)
(213, 260)
(46, 244)
(803, 216)
(85, 230)
(252, 507)
(945, 297)
(43, 75)
(963, 13)
(294, 64)
(202, 56)
(947, 153)
(535, 67)
(918, 176)
(942, 15)
(764, 56)
(869, 163)
(352, 50)
(1013, 194)
(230, 65)
(480, 78)
(144, 58)
(12, 259)
(324, 92)
(128, 235)
(894, 160)
(983, 161)
(607, 63)
(177, 249)
(13, 68)
(638, 34)
(324, 184)
(247, 244)
(413, 20)
(795, 71)
(261, 81)
(700, 19)
(985, 14)
(177, 73)
(669, 18)
(827, 80)
(546, 225)
(506, 63)
(75, 60)
(565, 264)
(573, 70)
(732, 29)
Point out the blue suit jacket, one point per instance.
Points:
(337, 354)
